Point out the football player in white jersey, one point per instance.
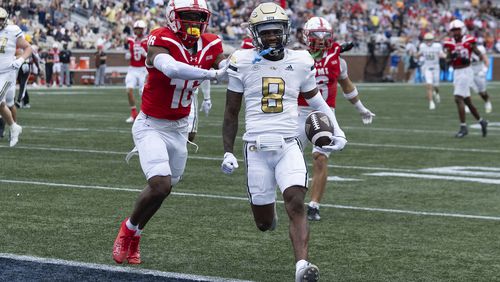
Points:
(11, 37)
(269, 79)
(429, 53)
(480, 65)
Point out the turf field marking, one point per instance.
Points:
(432, 176)
(110, 268)
(440, 214)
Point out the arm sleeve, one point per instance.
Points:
(343, 69)
(178, 70)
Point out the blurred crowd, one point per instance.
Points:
(85, 24)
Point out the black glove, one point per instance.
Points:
(465, 61)
(346, 46)
(453, 55)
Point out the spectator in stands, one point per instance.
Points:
(100, 65)
(64, 57)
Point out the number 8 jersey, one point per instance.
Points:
(271, 89)
(167, 98)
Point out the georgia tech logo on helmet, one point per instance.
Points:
(266, 17)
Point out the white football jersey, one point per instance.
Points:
(271, 89)
(475, 59)
(430, 54)
(8, 42)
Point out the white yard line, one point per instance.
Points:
(419, 213)
(115, 268)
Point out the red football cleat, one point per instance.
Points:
(134, 252)
(122, 242)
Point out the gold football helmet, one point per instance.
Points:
(3, 18)
(270, 27)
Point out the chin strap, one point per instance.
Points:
(316, 54)
(258, 56)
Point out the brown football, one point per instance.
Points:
(319, 128)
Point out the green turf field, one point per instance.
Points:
(411, 202)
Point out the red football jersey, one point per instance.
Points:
(168, 98)
(247, 43)
(327, 74)
(55, 54)
(463, 48)
(138, 49)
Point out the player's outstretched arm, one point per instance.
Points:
(229, 130)
(161, 59)
(21, 43)
(351, 94)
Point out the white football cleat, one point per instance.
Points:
(15, 130)
(488, 108)
(432, 106)
(130, 120)
(308, 273)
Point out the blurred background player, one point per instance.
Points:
(64, 61)
(459, 48)
(11, 37)
(330, 69)
(28, 67)
(269, 79)
(429, 53)
(480, 65)
(100, 65)
(180, 55)
(205, 107)
(136, 73)
(56, 67)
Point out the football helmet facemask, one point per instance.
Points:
(318, 34)
(139, 27)
(456, 28)
(270, 28)
(3, 18)
(188, 19)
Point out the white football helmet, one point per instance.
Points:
(318, 34)
(3, 18)
(265, 17)
(457, 24)
(140, 24)
(188, 19)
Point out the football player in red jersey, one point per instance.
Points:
(179, 57)
(330, 70)
(136, 74)
(459, 49)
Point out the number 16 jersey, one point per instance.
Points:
(167, 98)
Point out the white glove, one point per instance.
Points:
(219, 75)
(206, 106)
(367, 116)
(17, 63)
(338, 143)
(229, 164)
(128, 55)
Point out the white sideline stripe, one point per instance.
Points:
(469, 150)
(245, 199)
(189, 157)
(115, 268)
(433, 176)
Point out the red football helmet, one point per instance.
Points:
(318, 34)
(188, 19)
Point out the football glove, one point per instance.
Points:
(338, 143)
(206, 105)
(346, 46)
(229, 164)
(128, 56)
(367, 116)
(17, 63)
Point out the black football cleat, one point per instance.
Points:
(313, 213)
(484, 127)
(462, 132)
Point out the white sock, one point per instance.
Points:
(300, 264)
(314, 204)
(138, 232)
(130, 226)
